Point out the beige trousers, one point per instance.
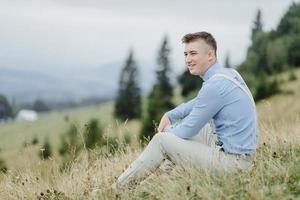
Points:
(200, 151)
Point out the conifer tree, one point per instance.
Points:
(227, 63)
(5, 108)
(272, 52)
(70, 141)
(40, 106)
(128, 101)
(189, 83)
(3, 166)
(93, 135)
(256, 60)
(257, 24)
(159, 100)
(289, 23)
(46, 150)
(163, 61)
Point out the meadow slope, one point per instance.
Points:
(275, 175)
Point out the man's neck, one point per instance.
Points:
(208, 66)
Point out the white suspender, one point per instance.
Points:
(244, 88)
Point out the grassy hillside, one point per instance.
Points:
(276, 173)
(50, 124)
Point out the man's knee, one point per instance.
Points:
(158, 136)
(163, 136)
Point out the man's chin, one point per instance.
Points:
(193, 72)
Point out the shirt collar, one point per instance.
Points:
(211, 71)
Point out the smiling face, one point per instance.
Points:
(199, 56)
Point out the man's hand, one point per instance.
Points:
(164, 122)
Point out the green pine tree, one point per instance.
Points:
(46, 151)
(70, 141)
(272, 52)
(159, 100)
(128, 101)
(260, 40)
(189, 83)
(294, 50)
(265, 87)
(5, 108)
(164, 69)
(34, 140)
(3, 167)
(289, 24)
(40, 106)
(227, 63)
(257, 24)
(292, 75)
(93, 135)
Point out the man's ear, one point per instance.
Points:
(211, 54)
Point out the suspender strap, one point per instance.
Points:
(244, 88)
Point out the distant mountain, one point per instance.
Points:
(66, 84)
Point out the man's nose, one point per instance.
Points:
(187, 59)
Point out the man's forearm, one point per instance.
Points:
(181, 111)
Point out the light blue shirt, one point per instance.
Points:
(229, 107)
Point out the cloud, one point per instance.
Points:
(92, 32)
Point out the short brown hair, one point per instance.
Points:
(205, 36)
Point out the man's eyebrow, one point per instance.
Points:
(191, 51)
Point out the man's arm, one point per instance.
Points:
(208, 102)
(177, 113)
(180, 111)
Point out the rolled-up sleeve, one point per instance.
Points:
(207, 103)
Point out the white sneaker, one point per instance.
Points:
(115, 187)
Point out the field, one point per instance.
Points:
(275, 175)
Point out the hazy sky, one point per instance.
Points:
(90, 33)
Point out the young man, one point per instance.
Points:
(185, 134)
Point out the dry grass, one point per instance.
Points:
(275, 175)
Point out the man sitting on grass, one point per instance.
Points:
(227, 144)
